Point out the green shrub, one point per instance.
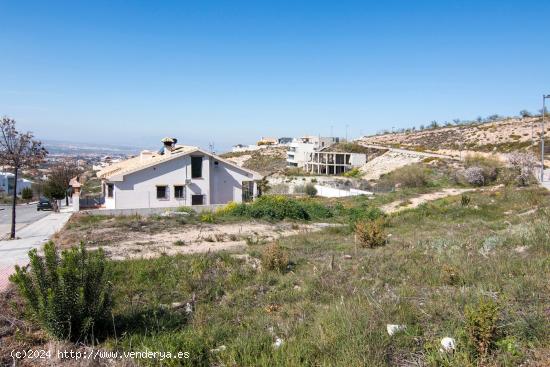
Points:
(310, 190)
(481, 326)
(370, 233)
(26, 193)
(274, 257)
(279, 207)
(207, 217)
(412, 175)
(465, 200)
(354, 172)
(69, 296)
(362, 212)
(316, 210)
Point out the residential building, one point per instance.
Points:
(6, 183)
(333, 163)
(177, 175)
(300, 149)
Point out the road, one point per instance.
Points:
(33, 235)
(25, 214)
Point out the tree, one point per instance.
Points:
(59, 178)
(525, 113)
(18, 151)
(263, 186)
(26, 193)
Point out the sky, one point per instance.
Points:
(228, 72)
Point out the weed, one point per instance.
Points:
(274, 257)
(370, 233)
(481, 325)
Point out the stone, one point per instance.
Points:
(394, 328)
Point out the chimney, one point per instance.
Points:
(169, 144)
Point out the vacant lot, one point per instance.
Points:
(443, 261)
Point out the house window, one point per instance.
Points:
(162, 192)
(196, 167)
(110, 189)
(197, 200)
(178, 192)
(247, 191)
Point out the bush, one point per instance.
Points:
(69, 296)
(465, 200)
(207, 218)
(279, 207)
(370, 233)
(26, 193)
(310, 190)
(481, 170)
(523, 165)
(481, 326)
(274, 257)
(474, 176)
(354, 172)
(413, 175)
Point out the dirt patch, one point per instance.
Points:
(386, 163)
(412, 203)
(125, 243)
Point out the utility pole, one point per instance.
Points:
(347, 132)
(544, 97)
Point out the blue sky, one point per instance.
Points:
(229, 72)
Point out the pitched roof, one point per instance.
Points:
(117, 171)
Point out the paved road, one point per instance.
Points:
(24, 215)
(14, 252)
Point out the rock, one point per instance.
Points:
(278, 343)
(393, 328)
(221, 348)
(297, 287)
(347, 257)
(188, 308)
(448, 344)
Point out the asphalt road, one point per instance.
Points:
(25, 214)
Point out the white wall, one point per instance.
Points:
(331, 192)
(219, 184)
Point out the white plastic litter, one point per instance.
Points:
(393, 328)
(278, 343)
(447, 344)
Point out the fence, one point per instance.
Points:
(91, 202)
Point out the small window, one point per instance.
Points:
(197, 200)
(162, 192)
(196, 167)
(247, 191)
(178, 192)
(110, 189)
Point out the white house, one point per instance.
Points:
(299, 150)
(6, 183)
(177, 175)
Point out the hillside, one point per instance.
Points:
(265, 161)
(503, 136)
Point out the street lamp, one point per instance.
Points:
(544, 97)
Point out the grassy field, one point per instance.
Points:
(332, 304)
(472, 267)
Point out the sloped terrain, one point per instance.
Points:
(503, 136)
(265, 161)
